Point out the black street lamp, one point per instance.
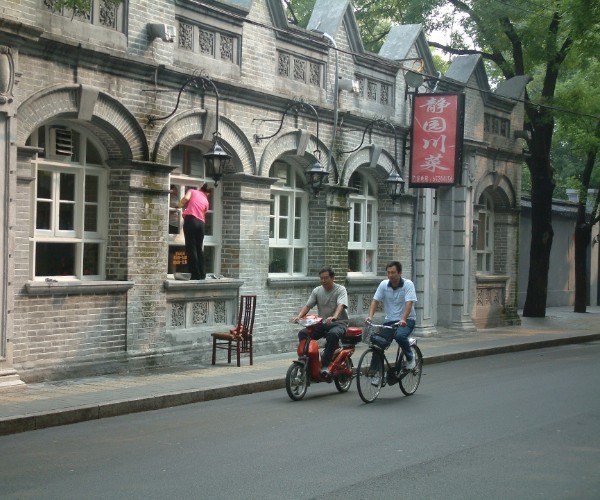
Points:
(216, 158)
(394, 185)
(316, 176)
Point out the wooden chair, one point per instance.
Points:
(241, 335)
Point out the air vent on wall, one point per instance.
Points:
(62, 140)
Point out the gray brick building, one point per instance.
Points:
(101, 136)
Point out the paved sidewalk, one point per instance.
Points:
(75, 400)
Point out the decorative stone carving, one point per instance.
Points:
(207, 42)
(186, 36)
(7, 75)
(315, 74)
(108, 13)
(299, 69)
(227, 48)
(284, 65)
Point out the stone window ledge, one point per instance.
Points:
(358, 280)
(77, 287)
(491, 279)
(217, 284)
(292, 281)
(224, 288)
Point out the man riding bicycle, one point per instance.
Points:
(398, 296)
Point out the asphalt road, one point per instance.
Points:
(519, 425)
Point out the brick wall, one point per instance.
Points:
(136, 77)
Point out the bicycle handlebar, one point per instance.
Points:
(375, 325)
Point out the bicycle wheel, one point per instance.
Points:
(410, 381)
(369, 380)
(343, 382)
(296, 381)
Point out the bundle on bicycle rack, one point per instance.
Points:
(381, 337)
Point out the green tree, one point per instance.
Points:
(530, 38)
(299, 11)
(582, 134)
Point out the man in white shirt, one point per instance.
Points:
(398, 296)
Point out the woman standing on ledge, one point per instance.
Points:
(195, 205)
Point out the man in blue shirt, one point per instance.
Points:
(398, 297)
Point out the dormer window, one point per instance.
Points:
(374, 90)
(299, 69)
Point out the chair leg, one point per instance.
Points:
(250, 353)
(214, 354)
(238, 352)
(229, 353)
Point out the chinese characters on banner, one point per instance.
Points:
(436, 140)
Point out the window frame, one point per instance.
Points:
(365, 199)
(58, 165)
(485, 235)
(294, 191)
(218, 32)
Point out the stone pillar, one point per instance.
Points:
(147, 253)
(427, 259)
(245, 230)
(8, 163)
(337, 212)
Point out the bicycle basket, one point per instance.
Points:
(382, 337)
(368, 330)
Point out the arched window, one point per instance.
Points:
(362, 234)
(190, 173)
(288, 236)
(69, 220)
(485, 235)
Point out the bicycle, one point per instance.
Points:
(374, 370)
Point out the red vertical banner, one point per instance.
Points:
(436, 140)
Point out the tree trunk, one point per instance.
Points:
(583, 236)
(542, 235)
(583, 232)
(541, 126)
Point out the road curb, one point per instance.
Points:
(525, 346)
(17, 424)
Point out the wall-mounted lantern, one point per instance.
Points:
(316, 174)
(216, 158)
(394, 184)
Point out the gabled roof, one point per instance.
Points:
(401, 39)
(514, 87)
(464, 67)
(327, 17)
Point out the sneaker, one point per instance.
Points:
(325, 372)
(376, 380)
(410, 365)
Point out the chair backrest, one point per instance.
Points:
(245, 323)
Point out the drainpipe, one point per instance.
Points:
(335, 104)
